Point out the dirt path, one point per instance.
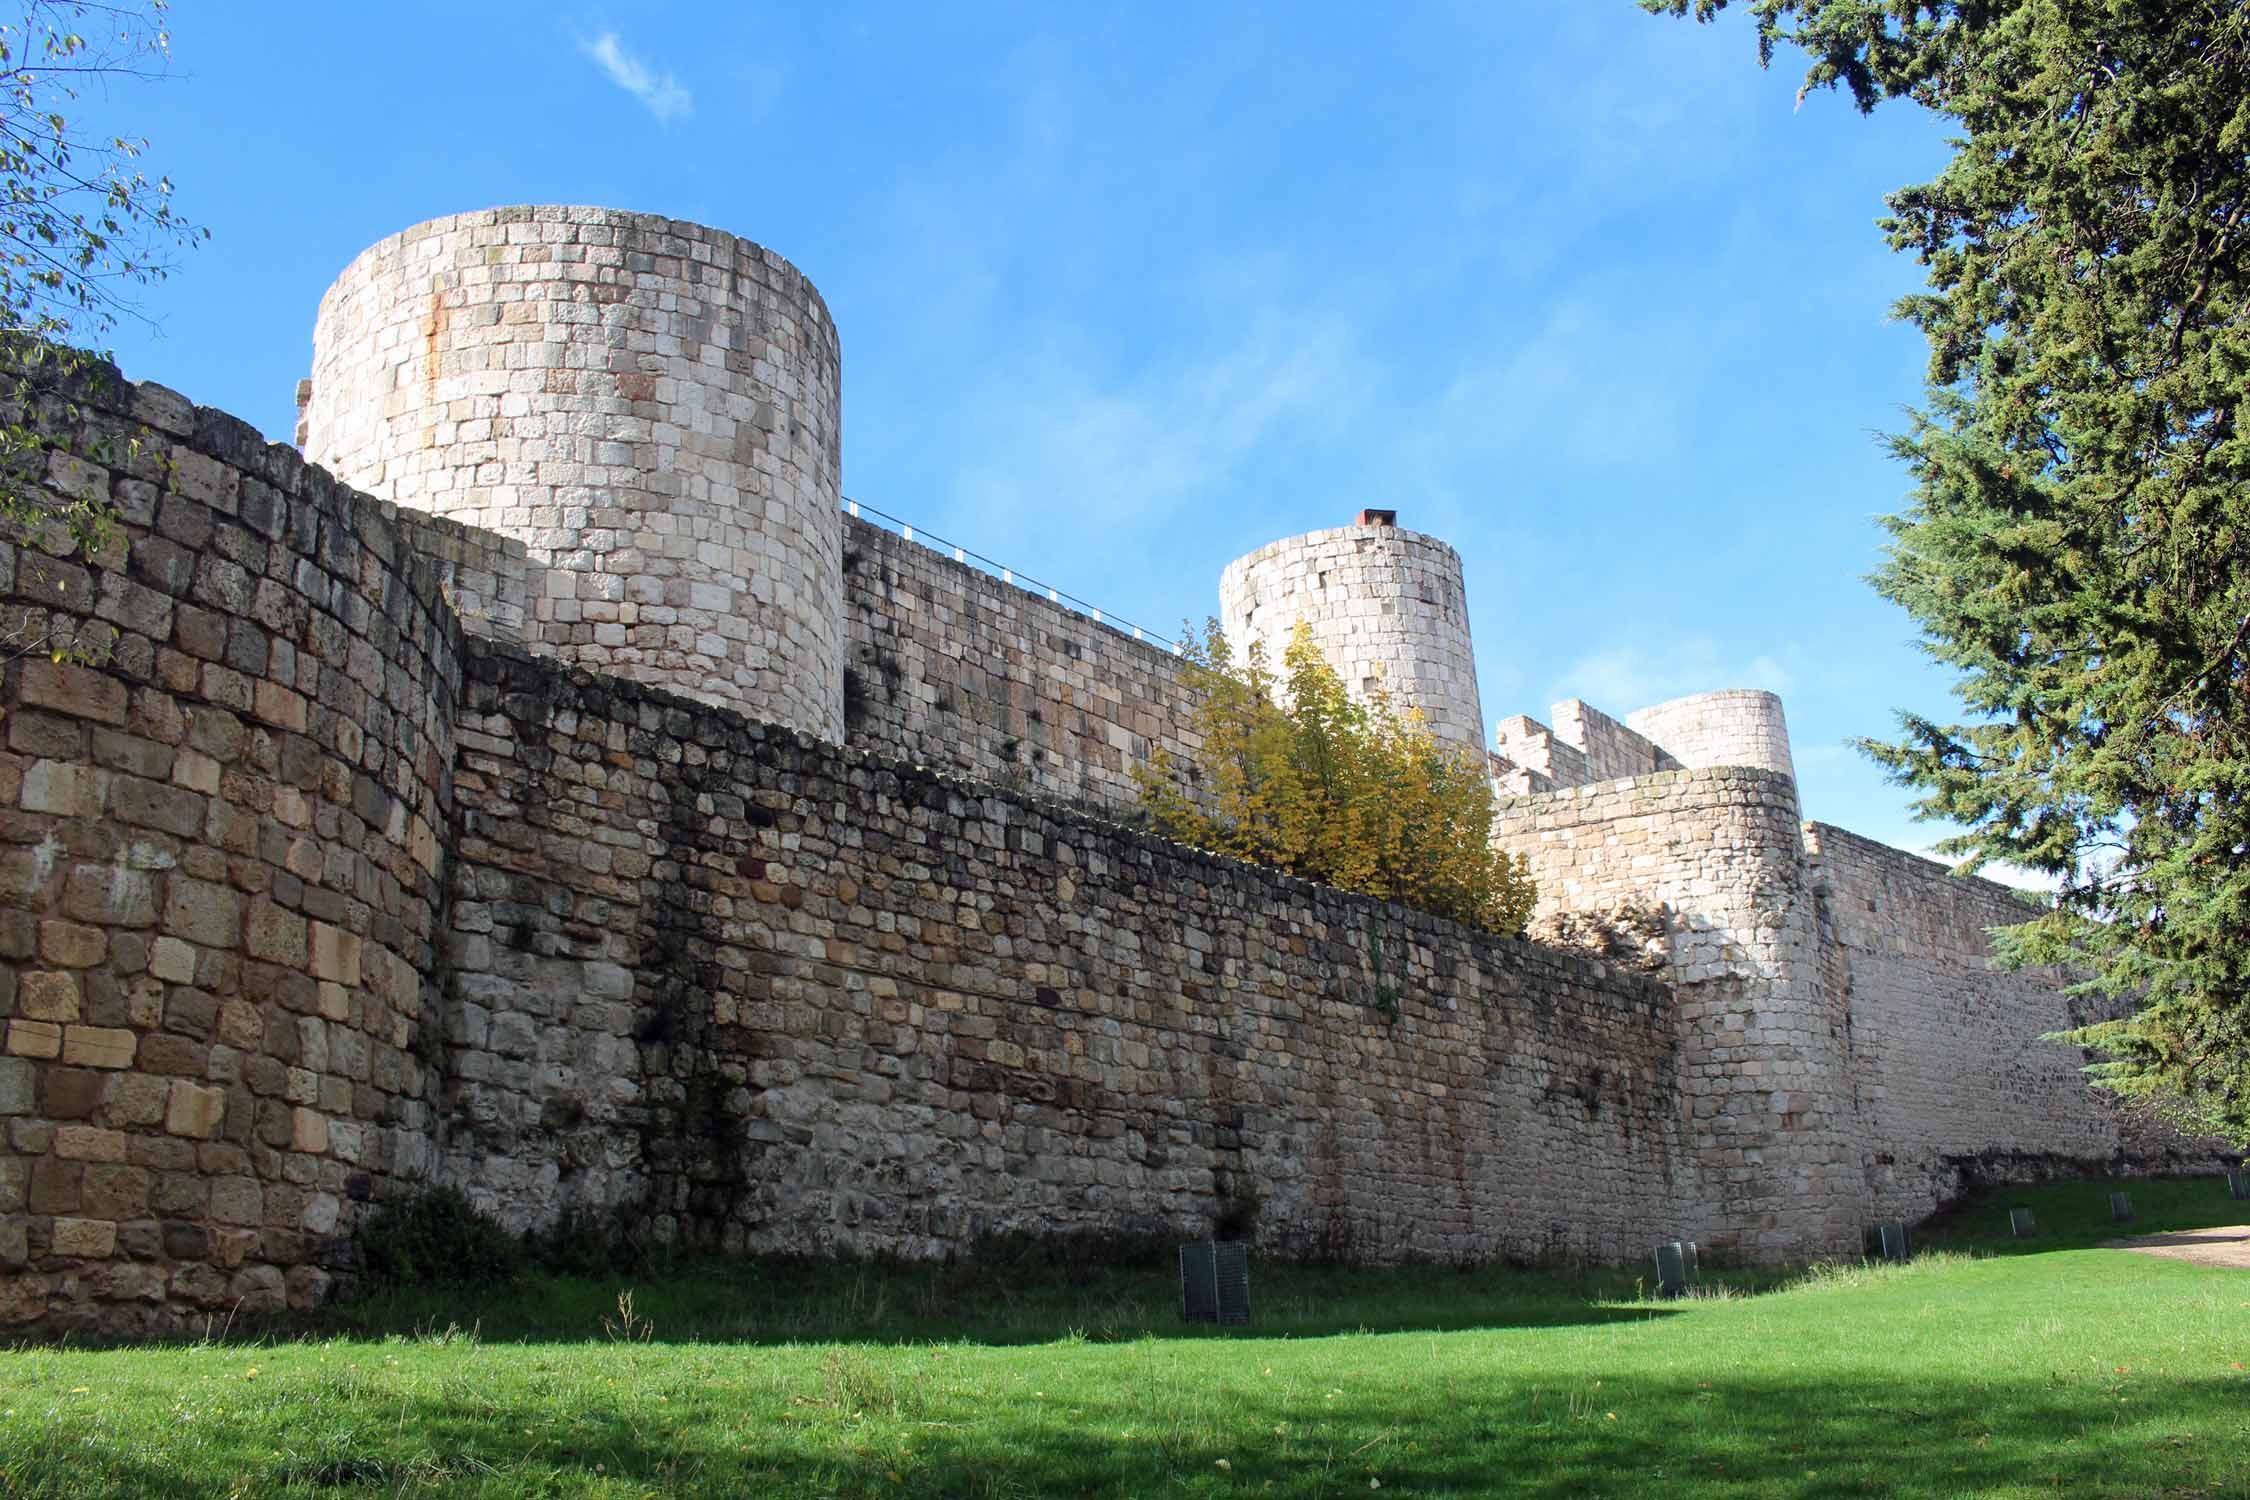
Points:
(2229, 1246)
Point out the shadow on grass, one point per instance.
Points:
(793, 1302)
(866, 1433)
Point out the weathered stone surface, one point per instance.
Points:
(16, 1087)
(154, 937)
(48, 997)
(98, 1046)
(88, 1239)
(711, 433)
(194, 1110)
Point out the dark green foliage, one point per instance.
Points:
(2078, 543)
(435, 1238)
(580, 1244)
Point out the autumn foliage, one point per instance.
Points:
(1297, 774)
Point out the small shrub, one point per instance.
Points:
(434, 1237)
(598, 1243)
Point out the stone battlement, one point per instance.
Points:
(606, 825)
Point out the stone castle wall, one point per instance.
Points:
(1954, 1083)
(778, 996)
(952, 668)
(1710, 862)
(651, 406)
(220, 854)
(312, 899)
(369, 848)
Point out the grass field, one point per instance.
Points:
(1987, 1367)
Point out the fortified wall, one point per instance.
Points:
(541, 785)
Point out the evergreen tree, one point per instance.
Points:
(2077, 546)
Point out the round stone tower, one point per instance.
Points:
(1386, 606)
(1732, 727)
(651, 407)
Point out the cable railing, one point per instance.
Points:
(1008, 575)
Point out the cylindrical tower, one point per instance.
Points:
(1731, 727)
(1386, 606)
(651, 407)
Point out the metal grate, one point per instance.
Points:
(1215, 1282)
(2021, 1224)
(2121, 1208)
(2238, 1184)
(1893, 1240)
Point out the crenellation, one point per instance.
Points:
(377, 845)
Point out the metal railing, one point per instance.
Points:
(1008, 575)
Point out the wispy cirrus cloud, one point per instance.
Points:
(666, 97)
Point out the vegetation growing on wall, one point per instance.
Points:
(80, 225)
(1297, 774)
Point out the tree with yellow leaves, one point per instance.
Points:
(1297, 774)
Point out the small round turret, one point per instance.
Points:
(1731, 727)
(1386, 606)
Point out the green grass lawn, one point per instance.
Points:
(1987, 1367)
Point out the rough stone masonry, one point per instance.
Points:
(586, 812)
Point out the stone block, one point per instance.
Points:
(276, 935)
(335, 954)
(16, 1077)
(56, 1185)
(606, 981)
(110, 895)
(195, 1110)
(35, 1039)
(143, 803)
(98, 1046)
(202, 913)
(48, 997)
(134, 1099)
(88, 1143)
(115, 1192)
(186, 1241)
(60, 788)
(196, 772)
(71, 946)
(172, 961)
(308, 1131)
(174, 1056)
(71, 1093)
(238, 1200)
(66, 688)
(87, 1239)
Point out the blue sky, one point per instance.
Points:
(1128, 290)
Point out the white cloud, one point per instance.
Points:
(2009, 875)
(664, 95)
(1134, 448)
(1620, 679)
